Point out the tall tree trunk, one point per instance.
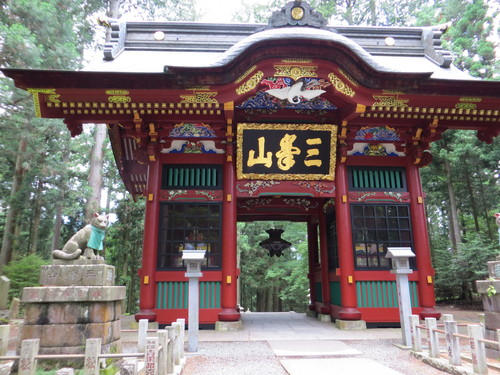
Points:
(59, 205)
(373, 12)
(37, 211)
(453, 214)
(485, 214)
(470, 188)
(261, 300)
(95, 174)
(58, 221)
(11, 217)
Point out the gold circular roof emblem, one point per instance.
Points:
(297, 13)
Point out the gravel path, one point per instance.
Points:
(257, 358)
(234, 358)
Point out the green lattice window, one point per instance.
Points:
(189, 226)
(375, 227)
(377, 179)
(191, 177)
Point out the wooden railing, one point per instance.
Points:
(445, 343)
(161, 354)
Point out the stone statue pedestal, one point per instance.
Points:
(491, 305)
(74, 303)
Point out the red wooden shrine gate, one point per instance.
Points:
(299, 120)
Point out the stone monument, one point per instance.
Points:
(490, 294)
(77, 300)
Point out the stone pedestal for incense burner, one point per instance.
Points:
(491, 305)
(74, 303)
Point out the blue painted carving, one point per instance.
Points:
(192, 130)
(262, 100)
(377, 134)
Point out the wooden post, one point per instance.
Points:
(415, 333)
(312, 239)
(151, 356)
(27, 361)
(421, 248)
(229, 233)
(177, 346)
(432, 340)
(349, 309)
(170, 349)
(162, 353)
(150, 244)
(92, 351)
(475, 333)
(182, 331)
(323, 253)
(452, 342)
(141, 335)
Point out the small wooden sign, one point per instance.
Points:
(286, 151)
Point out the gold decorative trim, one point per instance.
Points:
(393, 92)
(119, 99)
(295, 71)
(198, 88)
(466, 106)
(200, 97)
(297, 13)
(471, 99)
(245, 75)
(389, 101)
(36, 98)
(348, 77)
(341, 86)
(117, 92)
(297, 61)
(250, 84)
(273, 176)
(53, 98)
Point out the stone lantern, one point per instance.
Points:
(193, 260)
(401, 268)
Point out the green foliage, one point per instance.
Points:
(124, 248)
(456, 272)
(23, 273)
(273, 283)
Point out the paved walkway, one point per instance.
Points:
(291, 343)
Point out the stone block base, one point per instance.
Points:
(87, 274)
(325, 318)
(350, 325)
(311, 314)
(229, 326)
(76, 303)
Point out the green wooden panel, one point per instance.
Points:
(382, 294)
(319, 294)
(335, 293)
(175, 295)
(355, 181)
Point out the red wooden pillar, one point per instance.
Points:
(349, 309)
(229, 259)
(323, 253)
(422, 251)
(150, 244)
(312, 249)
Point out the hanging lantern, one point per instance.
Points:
(275, 244)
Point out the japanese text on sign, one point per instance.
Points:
(285, 151)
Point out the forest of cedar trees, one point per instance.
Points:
(50, 183)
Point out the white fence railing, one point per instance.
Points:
(444, 341)
(162, 354)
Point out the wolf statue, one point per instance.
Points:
(87, 241)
